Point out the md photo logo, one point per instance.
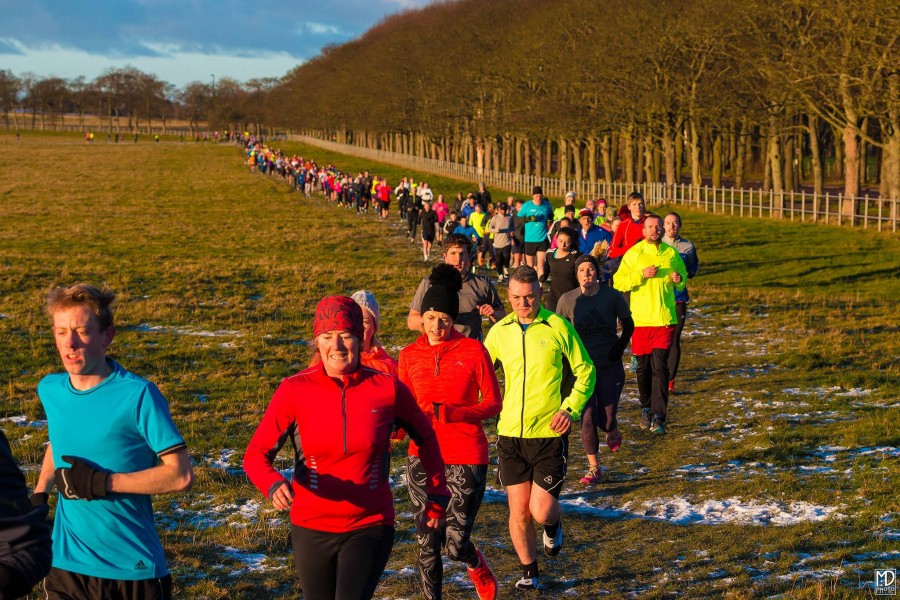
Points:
(885, 582)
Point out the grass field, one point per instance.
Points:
(779, 475)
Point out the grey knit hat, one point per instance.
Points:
(367, 301)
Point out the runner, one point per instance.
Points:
(428, 222)
(339, 416)
(112, 439)
(373, 354)
(536, 215)
(688, 253)
(595, 310)
(630, 230)
(446, 372)
(477, 299)
(532, 344)
(652, 271)
(24, 534)
(562, 266)
(501, 226)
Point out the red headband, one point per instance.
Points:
(335, 313)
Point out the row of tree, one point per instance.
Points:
(127, 99)
(630, 90)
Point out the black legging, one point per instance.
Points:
(653, 382)
(501, 257)
(466, 484)
(675, 352)
(341, 565)
(601, 408)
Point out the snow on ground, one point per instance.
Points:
(147, 327)
(252, 562)
(733, 511)
(23, 421)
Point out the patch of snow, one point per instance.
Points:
(681, 511)
(146, 327)
(22, 421)
(253, 563)
(879, 556)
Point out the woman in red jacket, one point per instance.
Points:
(446, 371)
(338, 416)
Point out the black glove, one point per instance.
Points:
(39, 499)
(81, 481)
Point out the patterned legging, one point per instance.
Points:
(466, 484)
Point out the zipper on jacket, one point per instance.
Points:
(524, 375)
(344, 415)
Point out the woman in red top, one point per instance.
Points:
(338, 416)
(373, 353)
(446, 372)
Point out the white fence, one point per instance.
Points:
(877, 213)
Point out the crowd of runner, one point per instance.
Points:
(582, 284)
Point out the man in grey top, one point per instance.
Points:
(478, 297)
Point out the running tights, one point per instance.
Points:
(675, 352)
(600, 411)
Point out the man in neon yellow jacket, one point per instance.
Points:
(532, 345)
(651, 271)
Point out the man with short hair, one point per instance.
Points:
(478, 297)
(112, 445)
(688, 253)
(652, 271)
(533, 345)
(537, 215)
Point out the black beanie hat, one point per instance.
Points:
(443, 295)
(587, 258)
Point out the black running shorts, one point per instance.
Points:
(542, 461)
(532, 248)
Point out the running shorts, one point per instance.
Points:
(647, 339)
(532, 248)
(542, 461)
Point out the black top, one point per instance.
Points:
(563, 279)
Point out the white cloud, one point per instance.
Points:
(319, 28)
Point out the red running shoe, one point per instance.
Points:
(484, 580)
(671, 385)
(614, 440)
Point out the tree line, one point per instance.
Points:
(784, 91)
(128, 99)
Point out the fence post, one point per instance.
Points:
(840, 211)
(866, 214)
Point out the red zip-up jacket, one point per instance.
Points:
(453, 373)
(341, 439)
(627, 234)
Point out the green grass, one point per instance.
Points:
(789, 319)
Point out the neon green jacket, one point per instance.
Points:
(652, 300)
(478, 221)
(532, 363)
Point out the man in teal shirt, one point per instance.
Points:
(112, 445)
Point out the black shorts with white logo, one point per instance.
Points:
(542, 461)
(66, 584)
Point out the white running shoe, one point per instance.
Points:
(553, 545)
(527, 583)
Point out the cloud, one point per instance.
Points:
(319, 28)
(11, 46)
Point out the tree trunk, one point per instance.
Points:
(507, 152)
(775, 155)
(694, 146)
(548, 157)
(526, 158)
(563, 161)
(815, 148)
(518, 148)
(639, 160)
(891, 157)
(628, 150)
(863, 153)
(576, 158)
(539, 159)
(479, 150)
(679, 152)
(605, 154)
(668, 147)
(650, 159)
(717, 161)
(592, 158)
(789, 183)
(740, 158)
(851, 167)
(838, 135)
(615, 147)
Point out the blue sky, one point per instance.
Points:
(180, 41)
